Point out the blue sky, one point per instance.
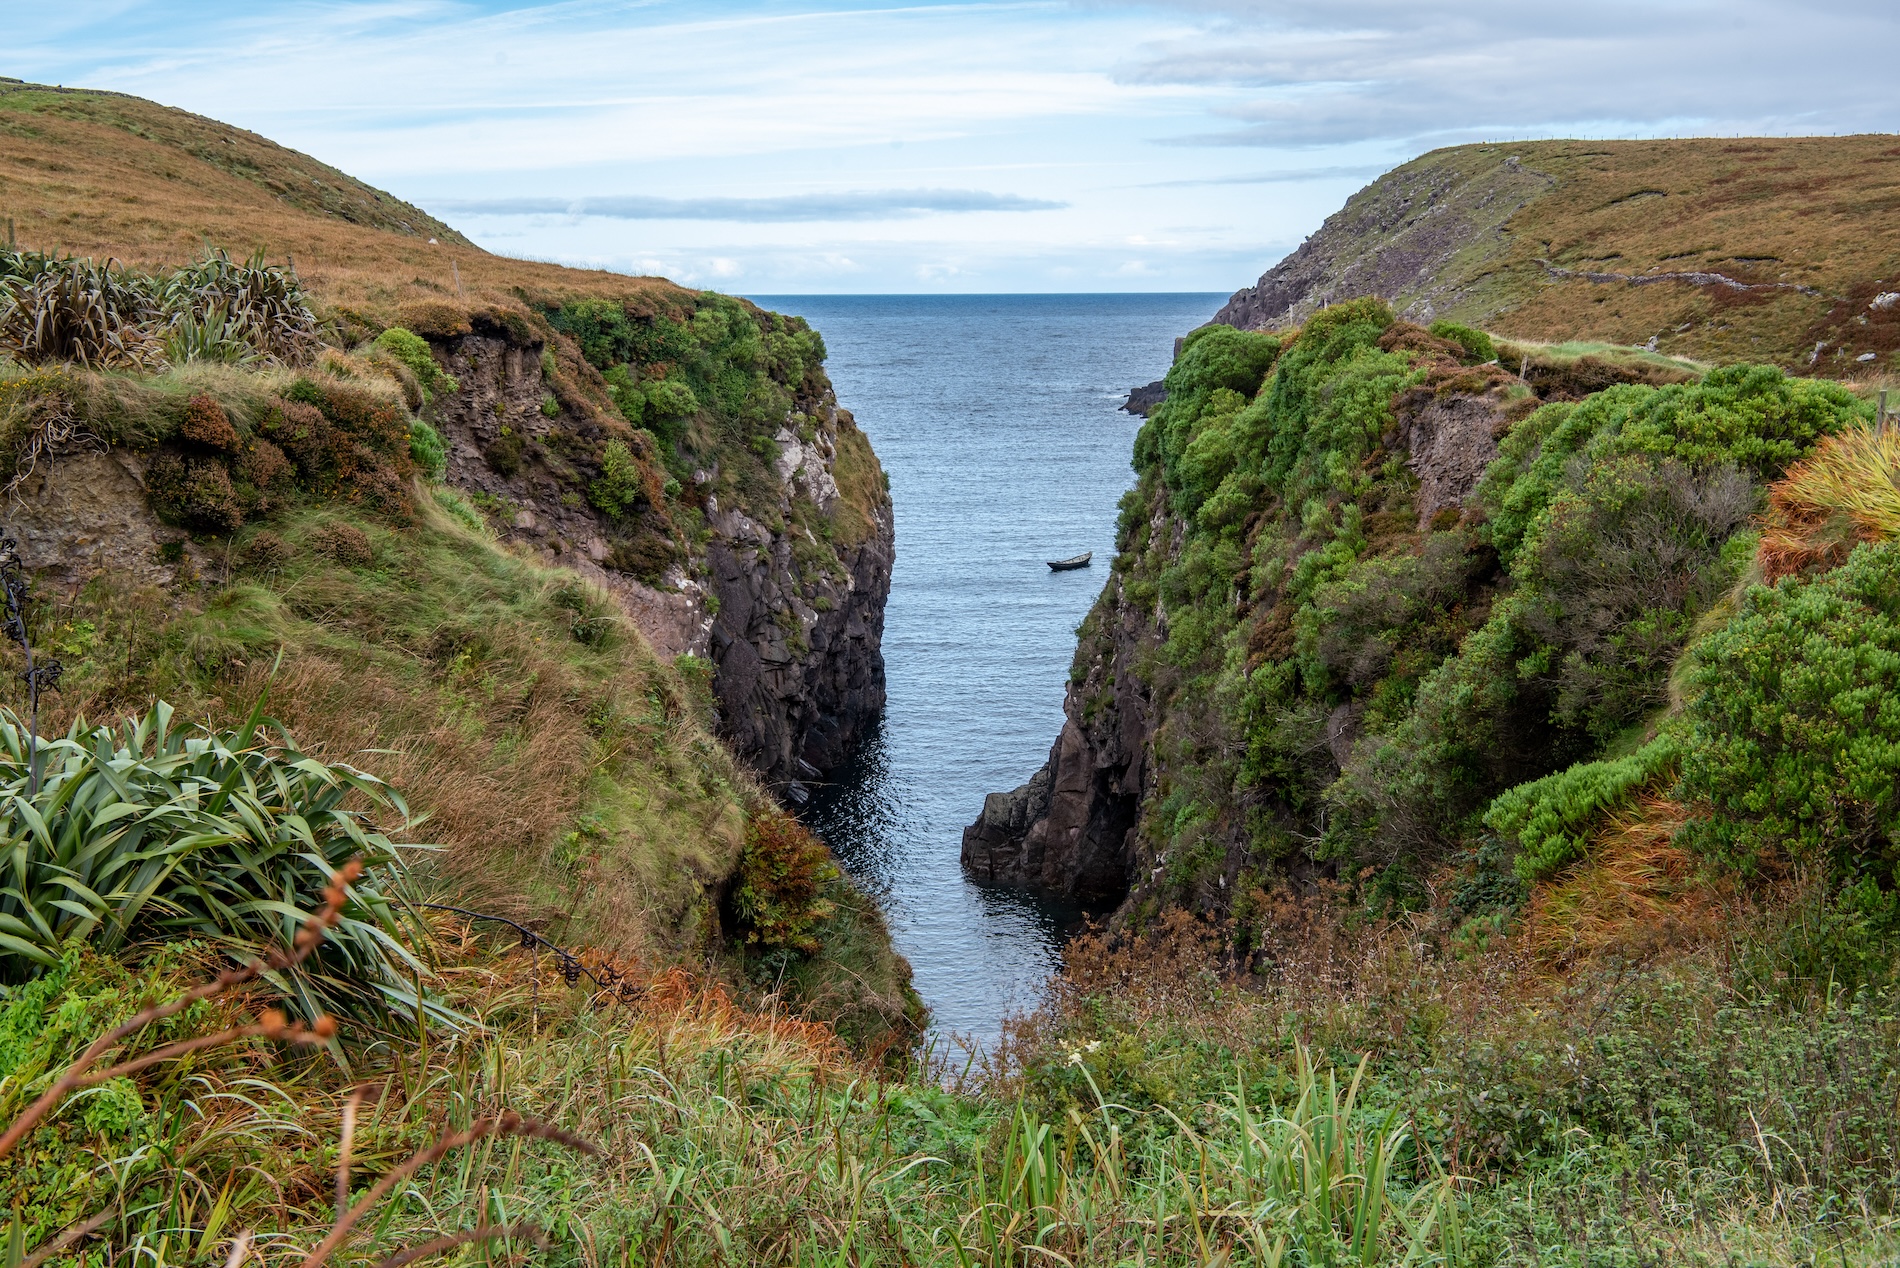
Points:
(778, 147)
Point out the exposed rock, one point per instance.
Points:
(1070, 830)
(1142, 400)
(1450, 442)
(798, 667)
(799, 670)
(84, 514)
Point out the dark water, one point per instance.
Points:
(996, 417)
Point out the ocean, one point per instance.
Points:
(997, 418)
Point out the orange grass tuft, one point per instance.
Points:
(1635, 895)
(1845, 493)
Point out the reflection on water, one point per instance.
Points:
(996, 418)
(979, 952)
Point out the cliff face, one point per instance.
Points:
(1071, 829)
(784, 595)
(1368, 584)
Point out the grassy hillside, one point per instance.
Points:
(102, 174)
(1718, 249)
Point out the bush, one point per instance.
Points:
(620, 487)
(267, 552)
(1551, 818)
(1752, 417)
(783, 877)
(345, 543)
(74, 310)
(413, 351)
(1795, 716)
(427, 450)
(157, 830)
(670, 399)
(205, 423)
(1477, 345)
(195, 493)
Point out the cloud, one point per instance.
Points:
(1293, 177)
(1385, 71)
(877, 204)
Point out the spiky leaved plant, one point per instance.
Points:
(154, 829)
(63, 309)
(249, 302)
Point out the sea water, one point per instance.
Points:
(996, 417)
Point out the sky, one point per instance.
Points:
(779, 147)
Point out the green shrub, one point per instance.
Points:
(1795, 720)
(620, 487)
(1477, 345)
(1551, 818)
(426, 449)
(670, 399)
(159, 830)
(783, 877)
(505, 453)
(1753, 417)
(413, 351)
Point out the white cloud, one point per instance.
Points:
(1007, 145)
(1377, 70)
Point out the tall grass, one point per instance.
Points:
(1846, 493)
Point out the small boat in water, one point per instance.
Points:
(1064, 565)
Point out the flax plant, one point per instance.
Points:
(153, 828)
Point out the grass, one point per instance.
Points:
(1363, 1104)
(568, 772)
(103, 174)
(1847, 493)
(1813, 212)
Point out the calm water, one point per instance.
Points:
(996, 417)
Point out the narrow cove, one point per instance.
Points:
(998, 420)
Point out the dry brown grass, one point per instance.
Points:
(1847, 492)
(1635, 895)
(102, 174)
(1776, 213)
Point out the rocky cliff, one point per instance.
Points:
(779, 578)
(1369, 581)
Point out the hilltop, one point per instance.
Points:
(104, 174)
(1767, 249)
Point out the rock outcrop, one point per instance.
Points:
(798, 668)
(1142, 400)
(791, 620)
(1071, 829)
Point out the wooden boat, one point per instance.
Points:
(1064, 565)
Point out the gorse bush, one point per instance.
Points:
(412, 350)
(154, 830)
(1345, 671)
(1795, 720)
(1477, 345)
(620, 488)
